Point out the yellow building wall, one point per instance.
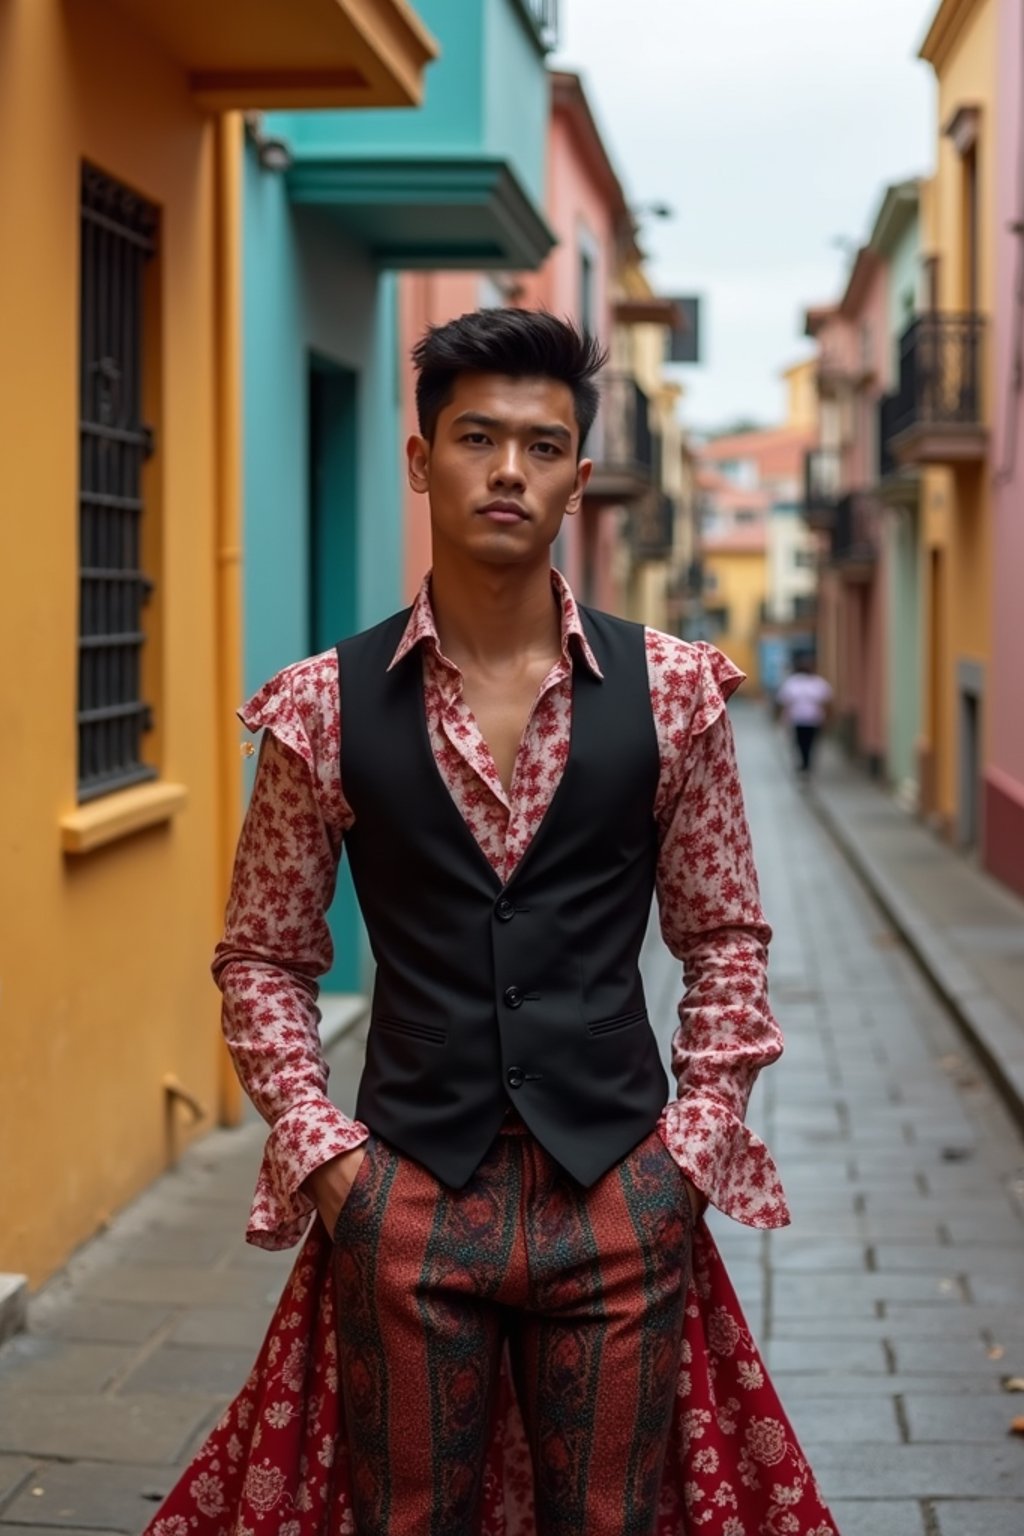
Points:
(802, 395)
(957, 523)
(104, 985)
(739, 583)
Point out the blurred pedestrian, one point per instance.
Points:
(510, 1315)
(805, 702)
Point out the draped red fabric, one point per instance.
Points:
(277, 1463)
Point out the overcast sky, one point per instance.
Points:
(772, 128)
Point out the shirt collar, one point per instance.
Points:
(422, 627)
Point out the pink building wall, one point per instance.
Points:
(424, 298)
(1003, 821)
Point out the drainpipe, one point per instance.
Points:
(228, 575)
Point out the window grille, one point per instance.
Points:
(118, 237)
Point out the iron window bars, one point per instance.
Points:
(118, 238)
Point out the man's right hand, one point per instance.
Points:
(329, 1185)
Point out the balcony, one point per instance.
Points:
(459, 184)
(652, 526)
(306, 54)
(822, 478)
(898, 484)
(935, 416)
(855, 537)
(622, 445)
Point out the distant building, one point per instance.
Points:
(757, 561)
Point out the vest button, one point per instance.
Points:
(516, 1077)
(505, 910)
(513, 997)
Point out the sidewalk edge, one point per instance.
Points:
(13, 1305)
(990, 1029)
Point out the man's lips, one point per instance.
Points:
(504, 512)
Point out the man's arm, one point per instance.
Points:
(711, 920)
(276, 944)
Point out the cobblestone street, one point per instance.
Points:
(891, 1310)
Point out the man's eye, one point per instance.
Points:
(549, 450)
(475, 437)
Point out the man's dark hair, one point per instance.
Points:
(519, 343)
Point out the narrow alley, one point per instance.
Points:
(890, 1310)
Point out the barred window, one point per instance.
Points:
(118, 237)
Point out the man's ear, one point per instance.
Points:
(417, 453)
(584, 470)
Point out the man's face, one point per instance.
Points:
(501, 472)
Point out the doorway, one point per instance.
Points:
(969, 691)
(333, 589)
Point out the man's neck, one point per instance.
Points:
(494, 615)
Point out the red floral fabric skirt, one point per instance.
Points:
(277, 1464)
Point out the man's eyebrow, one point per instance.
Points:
(540, 429)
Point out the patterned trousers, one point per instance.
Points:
(587, 1289)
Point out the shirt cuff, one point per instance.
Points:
(724, 1160)
(305, 1137)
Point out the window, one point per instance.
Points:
(587, 291)
(118, 238)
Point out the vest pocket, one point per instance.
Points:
(621, 1021)
(426, 1032)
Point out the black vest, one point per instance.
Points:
(486, 994)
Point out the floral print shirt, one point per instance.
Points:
(277, 942)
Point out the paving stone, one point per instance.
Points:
(54, 1365)
(830, 1356)
(958, 1355)
(84, 1427)
(181, 1286)
(879, 1517)
(977, 1517)
(814, 1254)
(187, 1247)
(983, 1418)
(216, 1326)
(210, 1371)
(838, 1420)
(13, 1472)
(91, 1496)
(921, 1471)
(792, 1293)
(793, 1385)
(973, 1258)
(101, 1322)
(65, 1530)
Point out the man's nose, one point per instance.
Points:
(509, 468)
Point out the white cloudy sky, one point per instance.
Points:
(772, 128)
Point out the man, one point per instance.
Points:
(805, 699)
(524, 1333)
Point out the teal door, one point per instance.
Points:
(333, 590)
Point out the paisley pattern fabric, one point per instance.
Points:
(279, 1464)
(584, 1289)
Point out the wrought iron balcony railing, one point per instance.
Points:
(889, 408)
(623, 445)
(822, 484)
(940, 380)
(855, 533)
(652, 526)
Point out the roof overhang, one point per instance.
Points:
(265, 54)
(649, 311)
(409, 213)
(899, 208)
(945, 32)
